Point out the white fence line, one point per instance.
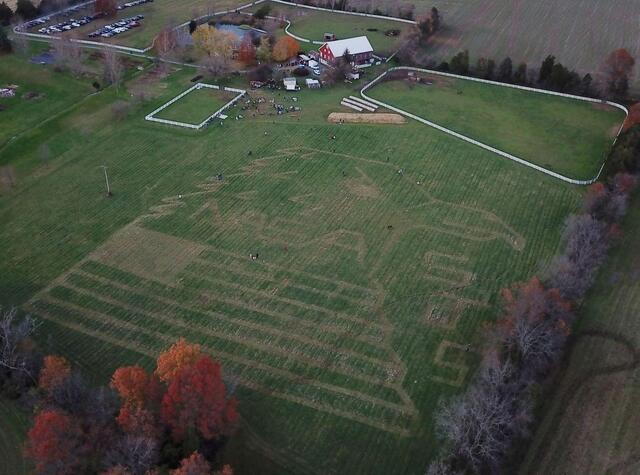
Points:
(483, 145)
(127, 49)
(342, 12)
(240, 94)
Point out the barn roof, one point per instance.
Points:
(356, 45)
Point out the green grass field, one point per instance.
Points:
(567, 136)
(13, 429)
(41, 94)
(353, 322)
(312, 25)
(196, 106)
(591, 423)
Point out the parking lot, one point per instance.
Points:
(65, 22)
(114, 29)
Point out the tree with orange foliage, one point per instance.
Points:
(55, 443)
(285, 48)
(108, 8)
(247, 51)
(54, 372)
(140, 394)
(618, 69)
(634, 116)
(196, 402)
(195, 464)
(132, 384)
(179, 355)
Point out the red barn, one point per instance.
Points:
(359, 48)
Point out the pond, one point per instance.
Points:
(240, 30)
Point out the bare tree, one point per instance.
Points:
(216, 66)
(533, 330)
(13, 333)
(586, 247)
(68, 55)
(20, 44)
(481, 425)
(136, 453)
(441, 467)
(113, 68)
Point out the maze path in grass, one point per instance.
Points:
(304, 337)
(342, 365)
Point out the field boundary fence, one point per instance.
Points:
(502, 153)
(240, 93)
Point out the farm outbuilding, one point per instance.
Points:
(291, 84)
(359, 49)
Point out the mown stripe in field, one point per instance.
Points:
(307, 323)
(94, 312)
(277, 279)
(289, 362)
(359, 407)
(299, 275)
(285, 344)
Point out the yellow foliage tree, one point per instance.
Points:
(215, 42)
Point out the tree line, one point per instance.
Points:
(173, 419)
(482, 428)
(612, 80)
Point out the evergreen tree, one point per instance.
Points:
(546, 69)
(5, 44)
(5, 14)
(26, 10)
(505, 70)
(520, 76)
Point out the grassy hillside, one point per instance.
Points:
(567, 136)
(381, 254)
(591, 423)
(41, 94)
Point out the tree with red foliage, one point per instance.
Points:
(247, 51)
(195, 464)
(54, 372)
(54, 443)
(618, 69)
(595, 198)
(225, 470)
(634, 116)
(196, 402)
(179, 355)
(108, 8)
(138, 420)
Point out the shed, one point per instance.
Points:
(313, 83)
(290, 84)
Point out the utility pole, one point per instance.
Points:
(106, 179)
